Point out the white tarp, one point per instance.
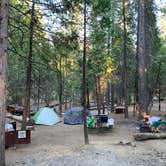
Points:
(154, 119)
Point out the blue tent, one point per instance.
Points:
(74, 116)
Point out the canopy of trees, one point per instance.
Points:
(57, 47)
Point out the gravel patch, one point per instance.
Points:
(91, 158)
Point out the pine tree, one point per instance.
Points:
(3, 75)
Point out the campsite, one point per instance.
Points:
(63, 144)
(82, 82)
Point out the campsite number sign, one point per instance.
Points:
(21, 134)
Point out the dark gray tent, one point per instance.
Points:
(74, 116)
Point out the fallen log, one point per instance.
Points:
(147, 136)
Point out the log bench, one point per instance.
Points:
(147, 136)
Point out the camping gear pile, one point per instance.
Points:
(74, 116)
(100, 121)
(152, 124)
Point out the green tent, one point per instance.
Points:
(46, 116)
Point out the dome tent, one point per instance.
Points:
(74, 116)
(46, 116)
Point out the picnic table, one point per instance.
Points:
(119, 109)
(102, 123)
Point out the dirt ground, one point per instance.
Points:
(63, 145)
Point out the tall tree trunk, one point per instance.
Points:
(112, 97)
(38, 92)
(112, 42)
(159, 97)
(108, 82)
(87, 95)
(108, 91)
(136, 94)
(60, 88)
(142, 70)
(26, 112)
(73, 99)
(150, 42)
(155, 85)
(103, 103)
(66, 103)
(98, 94)
(86, 138)
(3, 75)
(66, 76)
(124, 78)
(136, 98)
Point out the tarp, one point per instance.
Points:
(74, 116)
(154, 119)
(46, 116)
(158, 123)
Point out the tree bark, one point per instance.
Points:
(87, 95)
(142, 70)
(107, 96)
(113, 53)
(98, 94)
(159, 97)
(136, 100)
(38, 92)
(124, 78)
(26, 112)
(155, 85)
(86, 139)
(66, 103)
(151, 46)
(60, 88)
(112, 97)
(108, 82)
(3, 74)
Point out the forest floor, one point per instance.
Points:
(63, 145)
